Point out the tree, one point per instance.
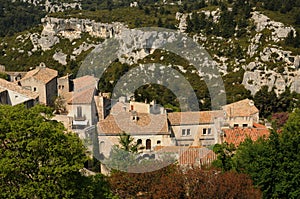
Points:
(225, 153)
(123, 156)
(265, 101)
(274, 164)
(214, 184)
(127, 143)
(39, 159)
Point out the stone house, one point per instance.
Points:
(82, 106)
(43, 81)
(241, 114)
(196, 128)
(151, 130)
(13, 94)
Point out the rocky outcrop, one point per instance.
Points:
(60, 57)
(254, 80)
(71, 29)
(58, 6)
(279, 30)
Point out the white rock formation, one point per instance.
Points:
(71, 29)
(279, 30)
(254, 80)
(60, 57)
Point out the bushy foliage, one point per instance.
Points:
(17, 16)
(173, 182)
(39, 159)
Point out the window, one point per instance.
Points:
(245, 125)
(79, 111)
(183, 133)
(158, 142)
(139, 141)
(204, 131)
(209, 131)
(236, 125)
(148, 144)
(34, 88)
(188, 132)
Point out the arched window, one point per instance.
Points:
(148, 144)
(139, 141)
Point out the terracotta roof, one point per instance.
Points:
(237, 135)
(202, 117)
(189, 155)
(194, 156)
(118, 107)
(84, 90)
(42, 74)
(5, 85)
(85, 82)
(241, 108)
(82, 97)
(145, 124)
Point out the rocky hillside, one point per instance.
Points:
(252, 45)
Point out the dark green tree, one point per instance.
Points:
(39, 159)
(273, 163)
(225, 153)
(265, 101)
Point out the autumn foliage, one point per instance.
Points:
(174, 182)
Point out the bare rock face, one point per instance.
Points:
(279, 30)
(71, 29)
(181, 17)
(254, 80)
(60, 57)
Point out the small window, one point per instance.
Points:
(79, 111)
(188, 132)
(34, 88)
(204, 131)
(209, 131)
(236, 125)
(245, 125)
(183, 132)
(139, 141)
(16, 96)
(148, 144)
(158, 142)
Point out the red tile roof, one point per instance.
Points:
(123, 122)
(196, 156)
(84, 90)
(188, 156)
(241, 108)
(85, 82)
(237, 135)
(41, 74)
(202, 117)
(82, 97)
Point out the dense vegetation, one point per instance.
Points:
(39, 159)
(16, 16)
(272, 163)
